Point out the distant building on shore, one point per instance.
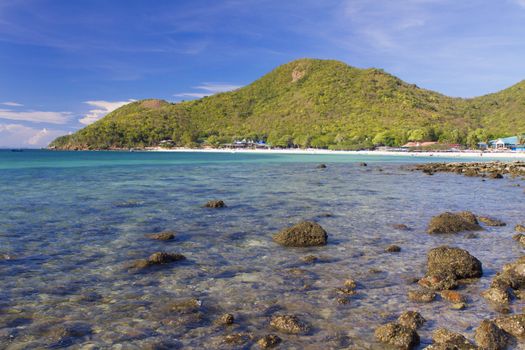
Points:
(513, 143)
(246, 144)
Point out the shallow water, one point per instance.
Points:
(72, 221)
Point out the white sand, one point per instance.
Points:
(465, 154)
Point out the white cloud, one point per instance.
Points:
(217, 87)
(207, 89)
(11, 104)
(16, 135)
(36, 116)
(103, 108)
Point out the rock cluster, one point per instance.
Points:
(494, 170)
(507, 282)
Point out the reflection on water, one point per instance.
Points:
(71, 231)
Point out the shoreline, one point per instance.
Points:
(472, 154)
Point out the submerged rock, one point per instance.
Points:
(288, 324)
(61, 333)
(393, 249)
(453, 223)
(495, 176)
(397, 335)
(238, 338)
(497, 295)
(489, 336)
(350, 283)
(309, 259)
(185, 306)
(411, 319)
(421, 296)
(162, 236)
(491, 221)
(303, 234)
(452, 261)
(215, 204)
(164, 258)
(159, 258)
(225, 320)
(269, 341)
(401, 227)
(439, 282)
(514, 325)
(453, 296)
(520, 238)
(321, 166)
(519, 228)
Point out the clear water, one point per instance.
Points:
(72, 221)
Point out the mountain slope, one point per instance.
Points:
(308, 103)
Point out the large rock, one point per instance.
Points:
(453, 223)
(303, 234)
(490, 337)
(446, 340)
(288, 324)
(397, 335)
(452, 261)
(514, 325)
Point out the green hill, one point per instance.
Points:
(310, 103)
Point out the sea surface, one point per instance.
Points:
(72, 222)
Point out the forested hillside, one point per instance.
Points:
(310, 103)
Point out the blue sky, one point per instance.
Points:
(65, 64)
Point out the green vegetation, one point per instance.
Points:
(310, 103)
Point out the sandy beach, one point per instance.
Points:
(467, 154)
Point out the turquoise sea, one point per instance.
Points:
(71, 222)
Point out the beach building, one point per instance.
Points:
(513, 143)
(246, 144)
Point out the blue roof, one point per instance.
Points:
(513, 140)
